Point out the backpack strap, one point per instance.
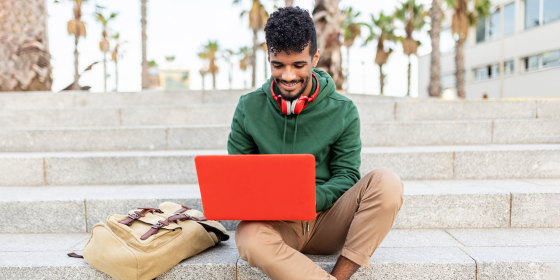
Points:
(173, 219)
(139, 214)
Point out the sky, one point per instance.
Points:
(180, 28)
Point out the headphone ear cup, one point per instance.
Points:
(284, 107)
(298, 106)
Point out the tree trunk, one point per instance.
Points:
(213, 80)
(434, 88)
(381, 79)
(460, 67)
(105, 71)
(24, 53)
(76, 84)
(254, 58)
(327, 19)
(145, 66)
(202, 76)
(408, 80)
(116, 75)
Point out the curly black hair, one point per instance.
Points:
(290, 29)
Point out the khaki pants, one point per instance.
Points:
(354, 226)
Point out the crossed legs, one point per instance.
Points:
(354, 226)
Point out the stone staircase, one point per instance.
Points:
(482, 180)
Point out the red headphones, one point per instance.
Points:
(295, 106)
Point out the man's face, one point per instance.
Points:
(292, 72)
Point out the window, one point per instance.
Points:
(544, 60)
(494, 70)
(551, 59)
(551, 10)
(494, 26)
(488, 28)
(531, 63)
(508, 67)
(481, 30)
(489, 71)
(509, 19)
(532, 13)
(480, 74)
(538, 12)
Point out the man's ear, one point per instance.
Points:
(316, 58)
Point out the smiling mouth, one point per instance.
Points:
(289, 85)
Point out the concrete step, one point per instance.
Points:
(198, 114)
(427, 204)
(517, 254)
(75, 99)
(400, 133)
(401, 108)
(69, 99)
(177, 167)
(128, 116)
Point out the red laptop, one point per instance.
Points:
(257, 187)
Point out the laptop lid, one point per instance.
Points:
(257, 187)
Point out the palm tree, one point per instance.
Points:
(209, 52)
(413, 16)
(145, 64)
(434, 87)
(257, 20)
(203, 73)
(328, 19)
(115, 58)
(385, 34)
(245, 54)
(227, 55)
(462, 20)
(25, 59)
(104, 45)
(77, 28)
(264, 48)
(352, 29)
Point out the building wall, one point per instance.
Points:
(523, 43)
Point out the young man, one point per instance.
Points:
(298, 111)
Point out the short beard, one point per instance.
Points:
(292, 98)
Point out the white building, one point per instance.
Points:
(514, 52)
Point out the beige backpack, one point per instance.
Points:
(147, 242)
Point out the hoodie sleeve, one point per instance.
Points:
(344, 164)
(239, 141)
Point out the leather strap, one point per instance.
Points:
(173, 219)
(155, 228)
(139, 214)
(74, 255)
(182, 217)
(183, 209)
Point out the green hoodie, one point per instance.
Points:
(328, 128)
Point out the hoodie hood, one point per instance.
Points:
(328, 128)
(326, 88)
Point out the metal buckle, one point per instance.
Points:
(134, 216)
